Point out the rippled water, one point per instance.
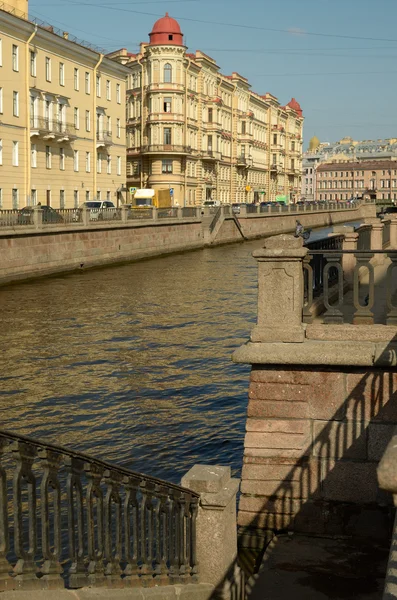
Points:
(132, 363)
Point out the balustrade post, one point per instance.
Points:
(280, 290)
(215, 526)
(393, 234)
(243, 210)
(155, 215)
(198, 212)
(349, 260)
(38, 217)
(6, 581)
(179, 213)
(85, 216)
(124, 213)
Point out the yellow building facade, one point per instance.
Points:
(62, 117)
(204, 134)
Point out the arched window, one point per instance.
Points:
(167, 73)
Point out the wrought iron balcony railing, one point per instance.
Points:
(44, 126)
(104, 138)
(165, 148)
(67, 518)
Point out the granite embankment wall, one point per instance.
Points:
(34, 253)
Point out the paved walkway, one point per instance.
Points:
(309, 568)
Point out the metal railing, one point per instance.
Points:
(167, 213)
(135, 214)
(364, 237)
(46, 125)
(104, 137)
(166, 148)
(326, 274)
(67, 518)
(189, 211)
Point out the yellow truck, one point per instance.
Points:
(146, 198)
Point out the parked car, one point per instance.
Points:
(50, 215)
(98, 210)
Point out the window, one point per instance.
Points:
(167, 73)
(48, 68)
(119, 165)
(210, 115)
(76, 198)
(15, 198)
(98, 86)
(118, 128)
(167, 105)
(33, 156)
(275, 139)
(99, 163)
(87, 120)
(118, 93)
(108, 196)
(76, 160)
(15, 57)
(15, 104)
(274, 161)
(15, 154)
(166, 166)
(62, 199)
(61, 74)
(1, 152)
(109, 125)
(76, 117)
(293, 146)
(48, 157)
(33, 63)
(1, 100)
(87, 83)
(98, 195)
(167, 135)
(243, 127)
(62, 159)
(76, 80)
(109, 164)
(108, 90)
(88, 162)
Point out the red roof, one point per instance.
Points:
(166, 31)
(295, 106)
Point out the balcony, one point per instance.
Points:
(210, 155)
(165, 149)
(103, 139)
(244, 161)
(158, 87)
(165, 117)
(275, 168)
(49, 129)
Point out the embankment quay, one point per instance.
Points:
(41, 248)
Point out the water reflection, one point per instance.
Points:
(132, 363)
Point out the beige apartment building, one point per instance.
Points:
(62, 117)
(375, 179)
(202, 134)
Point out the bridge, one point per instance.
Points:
(321, 417)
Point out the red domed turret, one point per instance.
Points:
(294, 104)
(166, 31)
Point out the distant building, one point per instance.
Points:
(62, 121)
(345, 150)
(376, 179)
(204, 134)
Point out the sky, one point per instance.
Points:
(338, 58)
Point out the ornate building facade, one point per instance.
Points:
(62, 116)
(204, 134)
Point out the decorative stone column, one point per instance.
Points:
(85, 216)
(280, 290)
(216, 520)
(393, 233)
(124, 213)
(154, 213)
(349, 260)
(243, 210)
(38, 217)
(377, 234)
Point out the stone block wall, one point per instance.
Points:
(314, 438)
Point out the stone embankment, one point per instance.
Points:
(30, 251)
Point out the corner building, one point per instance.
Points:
(62, 117)
(202, 133)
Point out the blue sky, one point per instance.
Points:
(337, 58)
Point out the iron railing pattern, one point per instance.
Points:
(324, 274)
(364, 237)
(67, 518)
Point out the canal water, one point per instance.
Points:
(133, 363)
